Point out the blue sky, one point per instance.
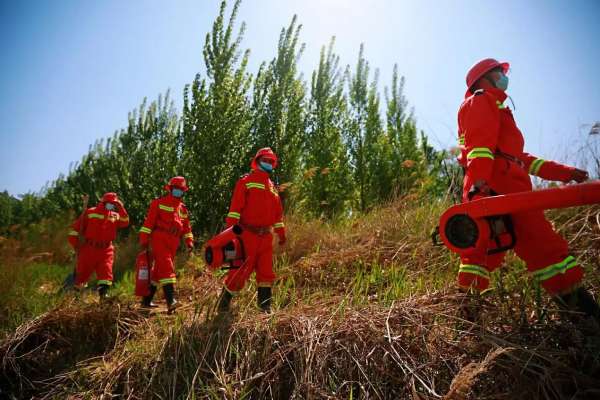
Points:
(71, 70)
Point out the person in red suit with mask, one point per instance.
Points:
(494, 161)
(95, 253)
(256, 208)
(167, 222)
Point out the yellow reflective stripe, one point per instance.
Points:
(233, 215)
(480, 152)
(188, 235)
(535, 166)
(264, 284)
(143, 229)
(555, 269)
(232, 292)
(500, 104)
(461, 140)
(166, 208)
(104, 282)
(182, 214)
(167, 280)
(255, 185)
(475, 270)
(275, 192)
(278, 225)
(73, 233)
(95, 216)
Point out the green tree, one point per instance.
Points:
(327, 184)
(216, 146)
(406, 157)
(364, 131)
(279, 105)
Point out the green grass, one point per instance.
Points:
(27, 291)
(336, 287)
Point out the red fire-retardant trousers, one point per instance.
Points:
(544, 251)
(164, 249)
(93, 259)
(259, 259)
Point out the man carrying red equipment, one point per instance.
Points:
(494, 161)
(92, 235)
(256, 208)
(166, 223)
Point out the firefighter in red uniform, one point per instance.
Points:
(98, 227)
(256, 207)
(166, 223)
(495, 163)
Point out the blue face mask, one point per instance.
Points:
(177, 192)
(265, 166)
(502, 82)
(110, 207)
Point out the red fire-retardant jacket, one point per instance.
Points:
(170, 215)
(492, 146)
(256, 203)
(98, 225)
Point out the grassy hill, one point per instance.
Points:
(364, 308)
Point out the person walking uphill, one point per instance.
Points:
(166, 223)
(92, 235)
(494, 161)
(256, 208)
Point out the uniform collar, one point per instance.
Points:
(262, 174)
(172, 199)
(496, 93)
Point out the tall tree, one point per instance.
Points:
(364, 130)
(279, 105)
(406, 156)
(327, 184)
(216, 122)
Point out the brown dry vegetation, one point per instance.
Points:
(363, 309)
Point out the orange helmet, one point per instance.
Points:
(177, 181)
(483, 67)
(265, 152)
(110, 197)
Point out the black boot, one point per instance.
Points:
(264, 299)
(579, 300)
(169, 291)
(224, 301)
(103, 292)
(147, 300)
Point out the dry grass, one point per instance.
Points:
(59, 339)
(419, 348)
(363, 309)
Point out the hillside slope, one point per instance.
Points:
(363, 309)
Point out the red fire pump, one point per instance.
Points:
(468, 227)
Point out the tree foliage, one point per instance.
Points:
(337, 154)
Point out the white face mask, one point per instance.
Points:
(110, 207)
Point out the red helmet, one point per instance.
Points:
(177, 181)
(265, 152)
(110, 197)
(483, 67)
